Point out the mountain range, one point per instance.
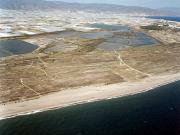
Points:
(49, 5)
(170, 9)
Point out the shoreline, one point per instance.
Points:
(82, 95)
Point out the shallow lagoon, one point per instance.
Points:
(126, 37)
(97, 35)
(120, 42)
(111, 27)
(116, 37)
(13, 47)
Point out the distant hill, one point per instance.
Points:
(23, 4)
(171, 9)
(48, 5)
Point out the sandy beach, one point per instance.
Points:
(83, 95)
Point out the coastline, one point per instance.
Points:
(83, 95)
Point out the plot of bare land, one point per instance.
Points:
(33, 75)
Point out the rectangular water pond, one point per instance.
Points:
(14, 47)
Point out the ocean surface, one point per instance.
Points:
(169, 18)
(156, 112)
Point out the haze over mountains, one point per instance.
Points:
(170, 9)
(49, 5)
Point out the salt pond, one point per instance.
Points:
(13, 47)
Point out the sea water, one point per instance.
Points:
(156, 112)
(169, 18)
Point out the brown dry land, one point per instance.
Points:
(30, 76)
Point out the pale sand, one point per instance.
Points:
(84, 95)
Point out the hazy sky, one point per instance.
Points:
(144, 3)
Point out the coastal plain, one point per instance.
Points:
(69, 67)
